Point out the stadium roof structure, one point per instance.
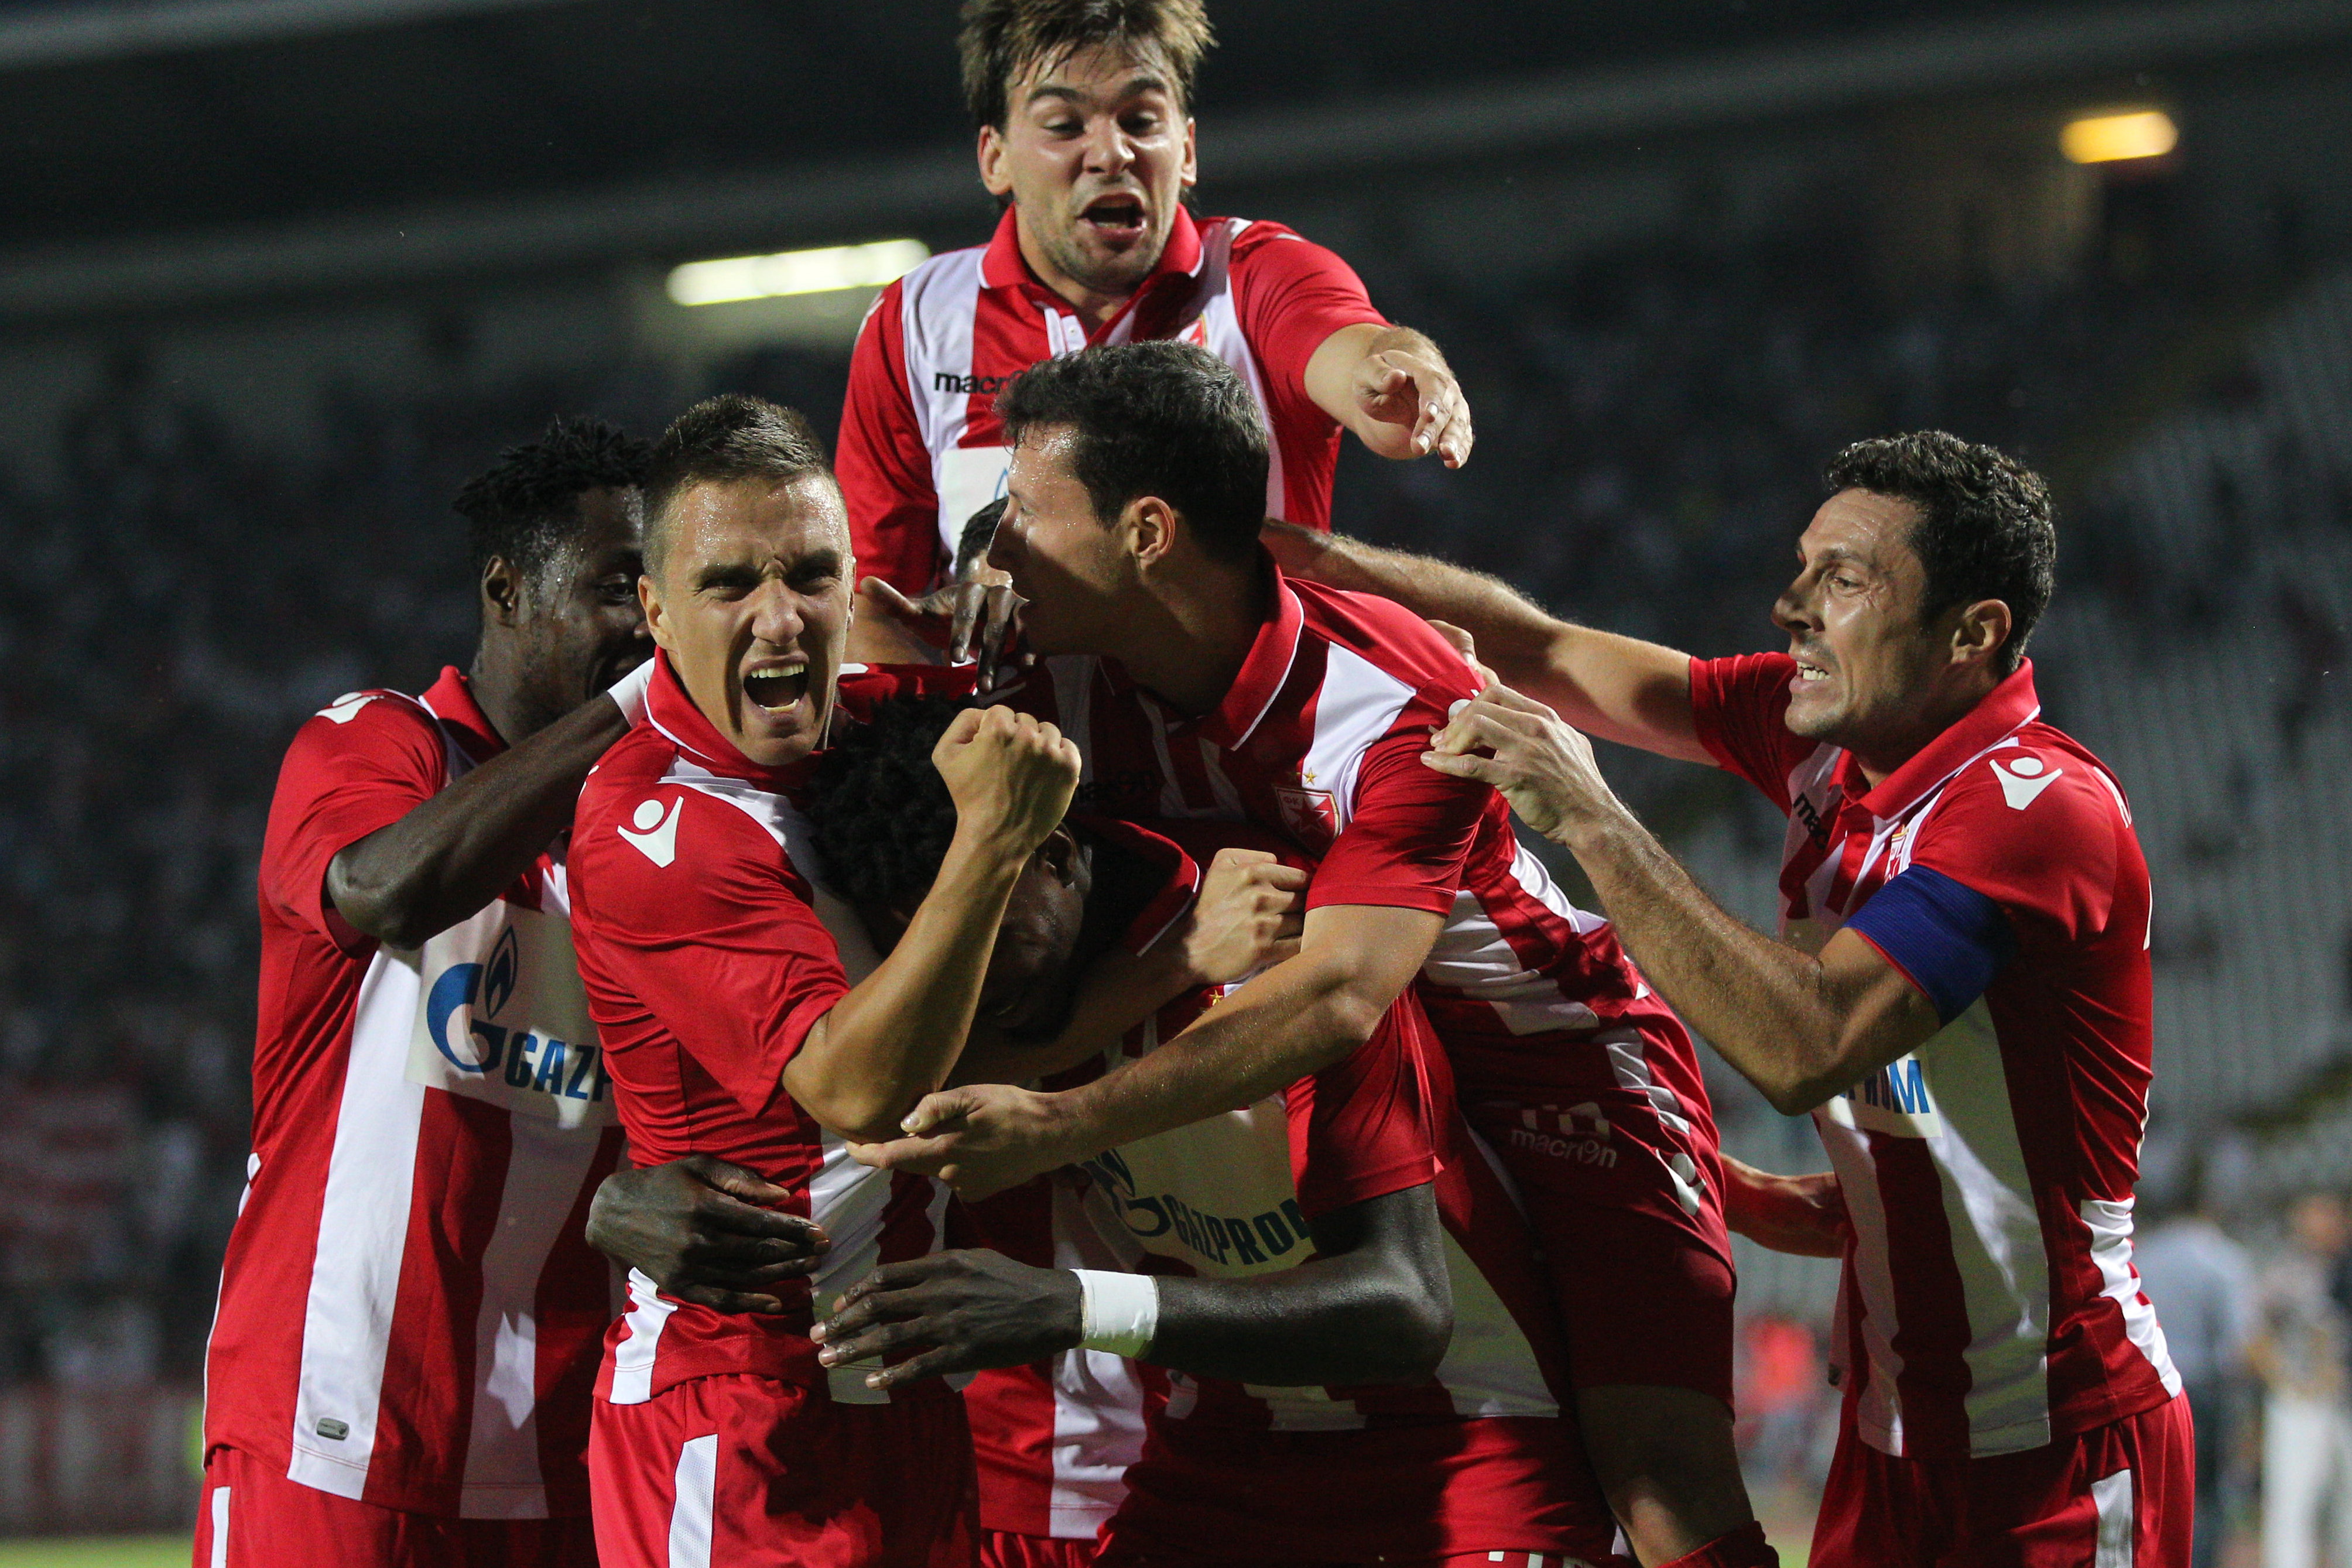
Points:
(170, 151)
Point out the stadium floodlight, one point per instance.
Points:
(2113, 138)
(822, 272)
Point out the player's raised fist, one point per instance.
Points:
(1010, 775)
(1247, 916)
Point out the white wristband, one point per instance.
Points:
(1118, 1313)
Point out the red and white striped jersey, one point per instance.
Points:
(708, 950)
(920, 448)
(1988, 1303)
(1319, 740)
(409, 1315)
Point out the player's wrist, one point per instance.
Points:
(1119, 1313)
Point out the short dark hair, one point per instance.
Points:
(526, 509)
(884, 817)
(1156, 418)
(730, 437)
(1002, 38)
(1985, 528)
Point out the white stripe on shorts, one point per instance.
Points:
(2112, 1496)
(692, 1503)
(220, 1527)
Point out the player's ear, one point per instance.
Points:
(1060, 854)
(1981, 631)
(1150, 526)
(995, 177)
(649, 599)
(502, 591)
(1190, 175)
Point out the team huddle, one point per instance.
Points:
(980, 1000)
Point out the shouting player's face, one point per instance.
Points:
(1870, 666)
(1095, 152)
(752, 608)
(578, 628)
(1074, 569)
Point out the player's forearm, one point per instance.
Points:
(462, 849)
(1296, 1018)
(895, 1037)
(1359, 1313)
(1763, 1005)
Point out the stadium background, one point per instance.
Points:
(276, 275)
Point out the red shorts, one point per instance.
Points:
(1513, 1485)
(1008, 1549)
(2122, 1493)
(1600, 1176)
(755, 1473)
(251, 1516)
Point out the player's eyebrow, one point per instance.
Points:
(1135, 87)
(725, 574)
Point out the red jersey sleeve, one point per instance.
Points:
(720, 943)
(2042, 834)
(359, 766)
(1292, 295)
(1740, 704)
(1360, 1129)
(1411, 832)
(883, 465)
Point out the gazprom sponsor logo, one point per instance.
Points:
(510, 1026)
(1234, 1241)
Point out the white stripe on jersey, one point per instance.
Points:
(363, 1236)
(2109, 1222)
(632, 1358)
(2111, 1501)
(546, 1168)
(693, 1502)
(1489, 1368)
(849, 1199)
(1356, 705)
(1097, 1398)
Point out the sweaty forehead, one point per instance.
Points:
(734, 520)
(1094, 72)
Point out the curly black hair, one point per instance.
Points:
(1985, 528)
(526, 509)
(884, 819)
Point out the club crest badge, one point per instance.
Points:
(1311, 816)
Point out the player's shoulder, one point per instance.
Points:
(951, 272)
(371, 720)
(1386, 636)
(2042, 787)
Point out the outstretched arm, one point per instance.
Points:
(1799, 1027)
(1618, 688)
(1373, 1306)
(456, 851)
(1393, 388)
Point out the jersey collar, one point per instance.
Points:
(2004, 710)
(671, 710)
(1002, 264)
(451, 700)
(1264, 673)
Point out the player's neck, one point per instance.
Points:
(495, 680)
(1192, 631)
(1094, 306)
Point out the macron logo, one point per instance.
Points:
(657, 834)
(2022, 781)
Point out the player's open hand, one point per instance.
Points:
(1249, 914)
(1414, 404)
(1010, 774)
(980, 1139)
(1543, 765)
(700, 1229)
(961, 1311)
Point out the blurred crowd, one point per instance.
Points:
(1652, 425)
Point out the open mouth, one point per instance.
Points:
(776, 687)
(1116, 216)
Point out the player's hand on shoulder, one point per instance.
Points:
(980, 1139)
(960, 1311)
(1543, 765)
(1010, 774)
(1249, 914)
(700, 1229)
